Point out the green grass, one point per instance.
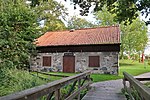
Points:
(20, 80)
(132, 67)
(53, 78)
(96, 77)
(50, 78)
(103, 77)
(61, 73)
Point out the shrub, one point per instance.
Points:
(17, 80)
(148, 62)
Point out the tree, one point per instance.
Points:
(126, 10)
(105, 17)
(78, 23)
(19, 26)
(133, 36)
(53, 25)
(50, 12)
(18, 29)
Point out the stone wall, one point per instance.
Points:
(108, 62)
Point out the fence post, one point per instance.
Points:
(88, 78)
(37, 73)
(79, 85)
(124, 84)
(57, 94)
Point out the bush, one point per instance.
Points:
(17, 80)
(124, 57)
(148, 62)
(136, 57)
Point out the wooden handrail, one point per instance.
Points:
(141, 79)
(49, 88)
(142, 90)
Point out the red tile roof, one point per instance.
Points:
(87, 36)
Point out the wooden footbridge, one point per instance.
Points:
(108, 90)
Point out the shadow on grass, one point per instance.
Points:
(126, 64)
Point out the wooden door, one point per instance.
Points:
(69, 64)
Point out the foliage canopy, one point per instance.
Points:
(78, 23)
(18, 29)
(51, 12)
(133, 36)
(125, 9)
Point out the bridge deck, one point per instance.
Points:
(108, 90)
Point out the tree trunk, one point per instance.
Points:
(139, 58)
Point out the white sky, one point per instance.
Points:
(90, 17)
(76, 12)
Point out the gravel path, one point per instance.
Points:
(145, 75)
(108, 90)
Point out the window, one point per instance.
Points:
(46, 60)
(94, 61)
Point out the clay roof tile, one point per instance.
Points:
(87, 36)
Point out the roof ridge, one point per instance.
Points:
(84, 28)
(57, 31)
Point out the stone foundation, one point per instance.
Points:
(108, 62)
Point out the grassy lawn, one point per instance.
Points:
(129, 66)
(133, 68)
(27, 81)
(102, 77)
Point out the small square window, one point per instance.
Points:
(94, 61)
(46, 60)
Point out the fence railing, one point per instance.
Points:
(57, 75)
(135, 89)
(38, 74)
(52, 90)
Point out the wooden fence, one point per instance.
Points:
(52, 90)
(44, 73)
(135, 89)
(51, 74)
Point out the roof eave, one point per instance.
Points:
(80, 45)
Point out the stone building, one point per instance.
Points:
(79, 50)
